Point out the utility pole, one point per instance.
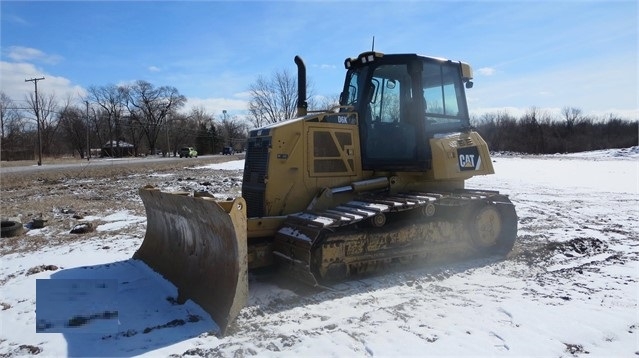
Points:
(226, 124)
(35, 82)
(88, 148)
(168, 144)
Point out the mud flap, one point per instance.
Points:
(199, 245)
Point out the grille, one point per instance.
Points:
(464, 142)
(253, 187)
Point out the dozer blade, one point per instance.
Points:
(200, 246)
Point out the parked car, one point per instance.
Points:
(228, 151)
(188, 152)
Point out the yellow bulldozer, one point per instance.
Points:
(376, 181)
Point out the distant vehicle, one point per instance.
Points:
(228, 151)
(188, 152)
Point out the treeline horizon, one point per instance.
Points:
(68, 129)
(538, 132)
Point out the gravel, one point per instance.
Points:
(65, 196)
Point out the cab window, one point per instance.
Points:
(390, 134)
(443, 96)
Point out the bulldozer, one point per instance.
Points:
(376, 181)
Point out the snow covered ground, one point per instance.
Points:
(569, 288)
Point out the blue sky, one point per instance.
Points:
(546, 54)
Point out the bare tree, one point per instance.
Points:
(151, 108)
(200, 115)
(133, 132)
(74, 129)
(8, 115)
(15, 140)
(532, 136)
(111, 100)
(182, 130)
(234, 132)
(99, 123)
(572, 115)
(323, 102)
(206, 136)
(47, 108)
(273, 99)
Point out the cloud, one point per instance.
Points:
(592, 85)
(486, 71)
(24, 54)
(325, 67)
(215, 106)
(555, 112)
(246, 95)
(154, 69)
(15, 19)
(13, 76)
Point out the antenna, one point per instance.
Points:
(373, 47)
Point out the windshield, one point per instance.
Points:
(387, 93)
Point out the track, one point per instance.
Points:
(377, 230)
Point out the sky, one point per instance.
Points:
(543, 54)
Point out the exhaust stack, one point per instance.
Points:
(301, 87)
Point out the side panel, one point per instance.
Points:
(460, 156)
(304, 157)
(334, 155)
(285, 177)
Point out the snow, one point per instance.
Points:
(116, 221)
(591, 173)
(162, 175)
(568, 289)
(230, 165)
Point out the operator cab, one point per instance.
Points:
(402, 101)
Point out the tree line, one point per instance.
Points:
(146, 119)
(141, 115)
(537, 132)
(135, 119)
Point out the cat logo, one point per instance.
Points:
(468, 158)
(467, 161)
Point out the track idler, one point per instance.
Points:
(199, 245)
(493, 226)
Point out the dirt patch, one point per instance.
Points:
(64, 196)
(537, 251)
